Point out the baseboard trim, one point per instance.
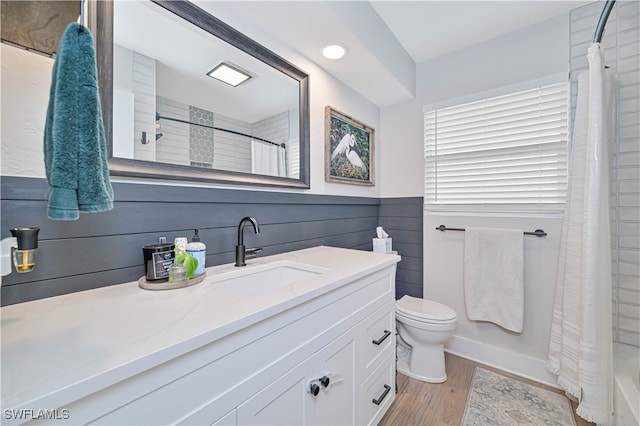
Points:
(512, 362)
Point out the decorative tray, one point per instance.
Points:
(166, 285)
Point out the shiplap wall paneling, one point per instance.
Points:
(106, 248)
(401, 218)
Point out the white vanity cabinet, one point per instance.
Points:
(327, 357)
(359, 370)
(349, 381)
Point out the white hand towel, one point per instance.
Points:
(494, 276)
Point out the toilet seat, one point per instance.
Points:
(426, 311)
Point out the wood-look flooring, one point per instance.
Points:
(419, 403)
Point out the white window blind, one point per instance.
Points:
(505, 150)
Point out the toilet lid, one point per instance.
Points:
(425, 310)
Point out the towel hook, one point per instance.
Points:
(82, 5)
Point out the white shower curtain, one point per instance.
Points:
(580, 347)
(268, 159)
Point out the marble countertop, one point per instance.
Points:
(67, 346)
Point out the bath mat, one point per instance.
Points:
(495, 399)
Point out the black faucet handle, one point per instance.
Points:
(252, 252)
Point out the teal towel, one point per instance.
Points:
(75, 153)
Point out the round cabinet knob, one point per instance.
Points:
(324, 381)
(314, 389)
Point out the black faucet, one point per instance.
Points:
(241, 253)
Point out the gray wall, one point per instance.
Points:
(402, 219)
(105, 248)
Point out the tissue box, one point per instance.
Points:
(382, 245)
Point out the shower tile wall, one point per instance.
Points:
(232, 152)
(274, 128)
(193, 145)
(293, 158)
(622, 53)
(144, 89)
(173, 146)
(201, 138)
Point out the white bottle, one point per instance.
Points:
(198, 250)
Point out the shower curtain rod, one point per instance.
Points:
(597, 37)
(537, 232)
(162, 117)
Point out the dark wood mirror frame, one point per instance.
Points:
(101, 24)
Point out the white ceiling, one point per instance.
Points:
(428, 29)
(385, 39)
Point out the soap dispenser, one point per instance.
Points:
(197, 249)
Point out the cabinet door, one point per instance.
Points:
(335, 403)
(284, 402)
(291, 401)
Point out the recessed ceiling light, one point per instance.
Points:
(229, 74)
(334, 51)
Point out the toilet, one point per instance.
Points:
(423, 327)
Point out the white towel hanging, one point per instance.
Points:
(494, 276)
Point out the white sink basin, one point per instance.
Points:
(253, 279)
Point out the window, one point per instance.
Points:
(509, 150)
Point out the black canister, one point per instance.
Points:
(158, 259)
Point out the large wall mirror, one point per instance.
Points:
(169, 112)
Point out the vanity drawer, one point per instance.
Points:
(377, 392)
(378, 332)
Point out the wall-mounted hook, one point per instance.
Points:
(143, 139)
(81, 17)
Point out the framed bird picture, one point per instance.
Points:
(349, 150)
